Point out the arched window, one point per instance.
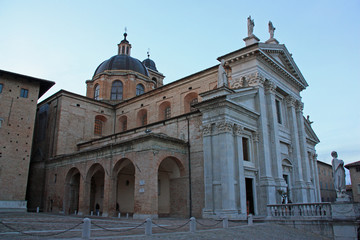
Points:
(189, 101)
(142, 117)
(99, 124)
(116, 90)
(192, 103)
(139, 89)
(123, 123)
(98, 127)
(97, 92)
(165, 110)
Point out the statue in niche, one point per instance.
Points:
(271, 30)
(222, 76)
(339, 175)
(250, 25)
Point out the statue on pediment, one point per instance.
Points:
(271, 30)
(222, 76)
(339, 175)
(250, 25)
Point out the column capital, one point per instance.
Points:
(256, 136)
(206, 129)
(269, 86)
(299, 106)
(224, 126)
(290, 101)
(238, 130)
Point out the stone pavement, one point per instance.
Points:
(50, 226)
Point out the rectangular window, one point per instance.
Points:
(278, 111)
(24, 93)
(1, 87)
(358, 168)
(245, 145)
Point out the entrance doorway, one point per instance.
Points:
(249, 196)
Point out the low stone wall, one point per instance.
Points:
(13, 206)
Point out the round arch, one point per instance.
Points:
(172, 188)
(95, 178)
(124, 177)
(72, 186)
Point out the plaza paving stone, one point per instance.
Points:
(51, 226)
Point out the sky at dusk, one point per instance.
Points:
(64, 41)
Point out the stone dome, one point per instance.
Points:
(149, 64)
(122, 62)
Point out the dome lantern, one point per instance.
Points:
(124, 46)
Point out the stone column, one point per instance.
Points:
(108, 204)
(84, 196)
(239, 132)
(299, 186)
(208, 175)
(303, 149)
(267, 184)
(270, 89)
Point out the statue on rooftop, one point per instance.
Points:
(250, 25)
(271, 30)
(339, 175)
(222, 76)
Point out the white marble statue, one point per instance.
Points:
(271, 30)
(250, 25)
(339, 175)
(222, 76)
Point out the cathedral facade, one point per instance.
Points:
(225, 141)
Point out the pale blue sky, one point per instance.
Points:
(64, 41)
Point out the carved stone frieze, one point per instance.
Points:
(252, 79)
(224, 127)
(255, 79)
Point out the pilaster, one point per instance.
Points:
(270, 90)
(303, 149)
(267, 183)
(225, 148)
(239, 132)
(299, 188)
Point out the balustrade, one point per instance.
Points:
(299, 210)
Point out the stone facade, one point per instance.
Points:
(185, 148)
(326, 181)
(18, 100)
(354, 169)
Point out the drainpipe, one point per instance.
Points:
(188, 145)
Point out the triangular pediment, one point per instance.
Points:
(310, 134)
(279, 55)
